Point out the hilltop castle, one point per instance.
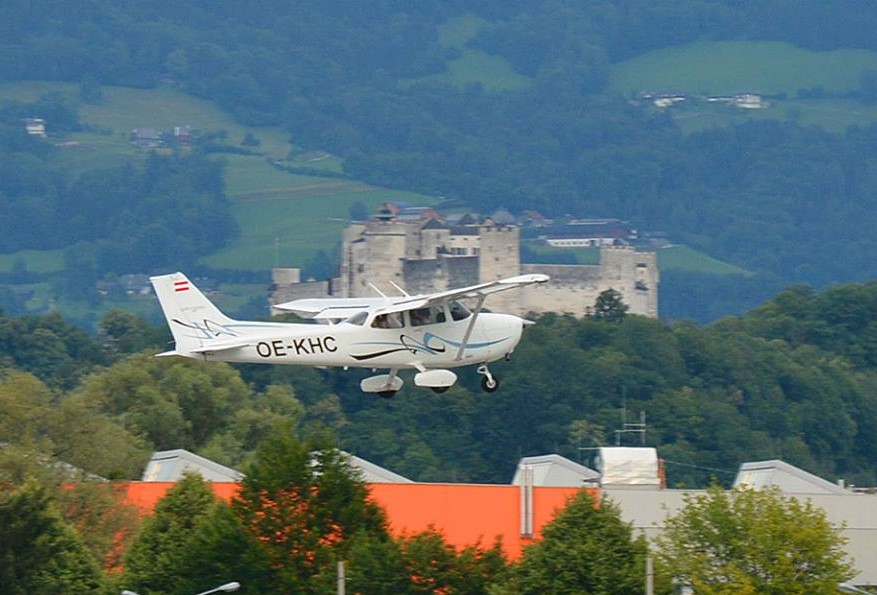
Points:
(424, 254)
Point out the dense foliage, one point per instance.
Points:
(795, 380)
(753, 541)
(118, 219)
(40, 552)
(586, 548)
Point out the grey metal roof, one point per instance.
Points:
(555, 470)
(169, 465)
(790, 479)
(372, 473)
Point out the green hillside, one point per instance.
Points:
(684, 258)
(474, 66)
(781, 70)
(725, 67)
(284, 218)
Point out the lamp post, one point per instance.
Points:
(226, 588)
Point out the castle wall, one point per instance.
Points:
(425, 276)
(440, 274)
(462, 271)
(574, 288)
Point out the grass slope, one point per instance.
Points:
(473, 66)
(684, 258)
(773, 68)
(287, 222)
(725, 67)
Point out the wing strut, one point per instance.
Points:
(471, 326)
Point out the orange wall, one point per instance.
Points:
(465, 514)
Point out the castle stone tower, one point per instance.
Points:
(376, 257)
(633, 274)
(499, 256)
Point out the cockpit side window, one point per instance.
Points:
(458, 311)
(390, 320)
(358, 319)
(430, 315)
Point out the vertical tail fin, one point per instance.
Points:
(192, 318)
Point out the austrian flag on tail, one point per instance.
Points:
(181, 285)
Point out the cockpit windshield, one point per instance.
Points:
(458, 311)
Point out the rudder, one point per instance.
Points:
(191, 317)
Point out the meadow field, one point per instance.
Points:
(802, 85)
(494, 73)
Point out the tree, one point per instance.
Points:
(44, 435)
(587, 548)
(175, 403)
(304, 503)
(436, 567)
(122, 332)
(609, 306)
(39, 551)
(102, 518)
(221, 549)
(155, 561)
(753, 541)
(373, 565)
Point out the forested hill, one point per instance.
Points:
(795, 380)
(367, 82)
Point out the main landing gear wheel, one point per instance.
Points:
(489, 383)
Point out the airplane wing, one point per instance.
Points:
(330, 308)
(340, 308)
(473, 291)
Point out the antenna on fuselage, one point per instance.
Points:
(402, 291)
(381, 293)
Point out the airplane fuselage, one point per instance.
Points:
(492, 337)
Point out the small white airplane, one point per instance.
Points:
(427, 333)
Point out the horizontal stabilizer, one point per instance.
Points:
(226, 346)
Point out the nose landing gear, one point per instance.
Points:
(489, 383)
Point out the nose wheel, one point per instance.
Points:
(489, 383)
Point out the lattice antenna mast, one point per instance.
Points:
(631, 428)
